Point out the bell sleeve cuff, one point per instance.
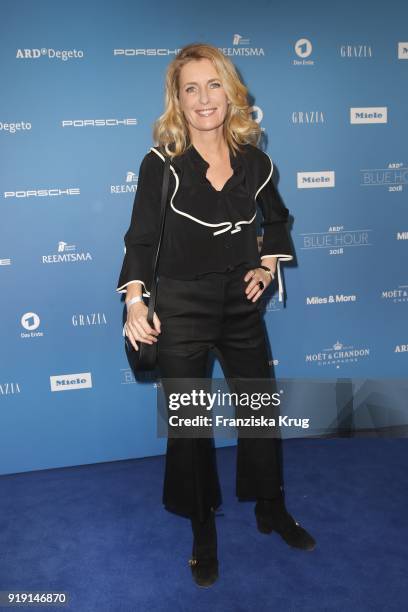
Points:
(141, 237)
(276, 241)
(123, 288)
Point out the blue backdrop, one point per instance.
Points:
(82, 83)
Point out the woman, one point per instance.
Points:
(211, 279)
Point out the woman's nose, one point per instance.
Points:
(203, 96)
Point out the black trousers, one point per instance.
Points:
(212, 313)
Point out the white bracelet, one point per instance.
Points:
(138, 298)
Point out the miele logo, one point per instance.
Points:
(403, 50)
(330, 299)
(5, 262)
(303, 49)
(315, 180)
(71, 382)
(94, 318)
(356, 51)
(336, 239)
(42, 193)
(66, 254)
(49, 53)
(9, 388)
(31, 322)
(80, 123)
(393, 177)
(302, 117)
(12, 128)
(402, 236)
(130, 186)
(336, 355)
(369, 114)
(396, 295)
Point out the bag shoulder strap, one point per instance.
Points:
(163, 208)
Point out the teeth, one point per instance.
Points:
(206, 112)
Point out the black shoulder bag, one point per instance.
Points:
(145, 358)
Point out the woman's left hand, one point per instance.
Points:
(253, 290)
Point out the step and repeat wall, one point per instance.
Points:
(82, 84)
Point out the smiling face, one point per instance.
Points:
(202, 96)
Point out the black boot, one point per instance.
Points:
(204, 561)
(271, 515)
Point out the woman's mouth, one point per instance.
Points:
(206, 112)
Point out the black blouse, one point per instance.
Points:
(205, 230)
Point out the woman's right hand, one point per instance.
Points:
(137, 327)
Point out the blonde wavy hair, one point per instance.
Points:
(171, 129)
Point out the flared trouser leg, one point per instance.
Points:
(259, 464)
(198, 316)
(191, 485)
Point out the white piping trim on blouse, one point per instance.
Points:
(280, 257)
(228, 224)
(283, 258)
(267, 180)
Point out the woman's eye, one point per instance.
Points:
(191, 87)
